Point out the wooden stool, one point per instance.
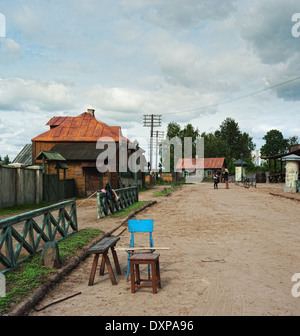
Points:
(148, 259)
(102, 247)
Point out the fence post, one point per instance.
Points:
(0, 184)
(38, 178)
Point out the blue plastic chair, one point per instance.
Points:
(135, 226)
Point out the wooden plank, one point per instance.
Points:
(104, 244)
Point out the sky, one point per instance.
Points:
(191, 61)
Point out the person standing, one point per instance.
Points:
(226, 178)
(216, 180)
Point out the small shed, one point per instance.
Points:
(55, 189)
(240, 170)
(52, 156)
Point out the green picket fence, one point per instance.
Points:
(127, 196)
(22, 233)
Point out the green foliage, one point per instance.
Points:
(22, 280)
(275, 144)
(213, 146)
(5, 160)
(236, 142)
(175, 132)
(161, 193)
(293, 140)
(69, 247)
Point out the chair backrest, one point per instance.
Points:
(140, 225)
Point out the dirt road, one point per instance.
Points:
(232, 252)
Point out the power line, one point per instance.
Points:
(235, 99)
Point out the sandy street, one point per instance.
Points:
(232, 252)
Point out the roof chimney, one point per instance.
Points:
(91, 112)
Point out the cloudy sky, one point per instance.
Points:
(192, 61)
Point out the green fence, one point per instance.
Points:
(21, 235)
(127, 196)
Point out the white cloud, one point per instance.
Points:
(28, 95)
(10, 51)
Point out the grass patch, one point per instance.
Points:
(22, 208)
(30, 274)
(169, 190)
(132, 207)
(69, 247)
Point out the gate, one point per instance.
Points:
(55, 190)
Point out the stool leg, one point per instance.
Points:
(93, 271)
(132, 277)
(109, 268)
(114, 253)
(102, 267)
(153, 278)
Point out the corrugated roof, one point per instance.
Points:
(78, 151)
(206, 163)
(83, 128)
(25, 156)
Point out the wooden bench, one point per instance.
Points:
(102, 247)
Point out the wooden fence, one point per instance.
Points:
(127, 196)
(22, 232)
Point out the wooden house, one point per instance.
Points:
(75, 138)
(209, 165)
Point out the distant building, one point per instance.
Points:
(256, 158)
(191, 167)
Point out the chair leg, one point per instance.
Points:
(132, 277)
(128, 269)
(158, 274)
(153, 278)
(137, 272)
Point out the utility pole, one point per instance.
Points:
(152, 120)
(158, 137)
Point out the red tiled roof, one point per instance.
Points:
(83, 128)
(206, 163)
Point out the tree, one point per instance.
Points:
(174, 131)
(213, 145)
(5, 160)
(237, 143)
(293, 140)
(275, 144)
